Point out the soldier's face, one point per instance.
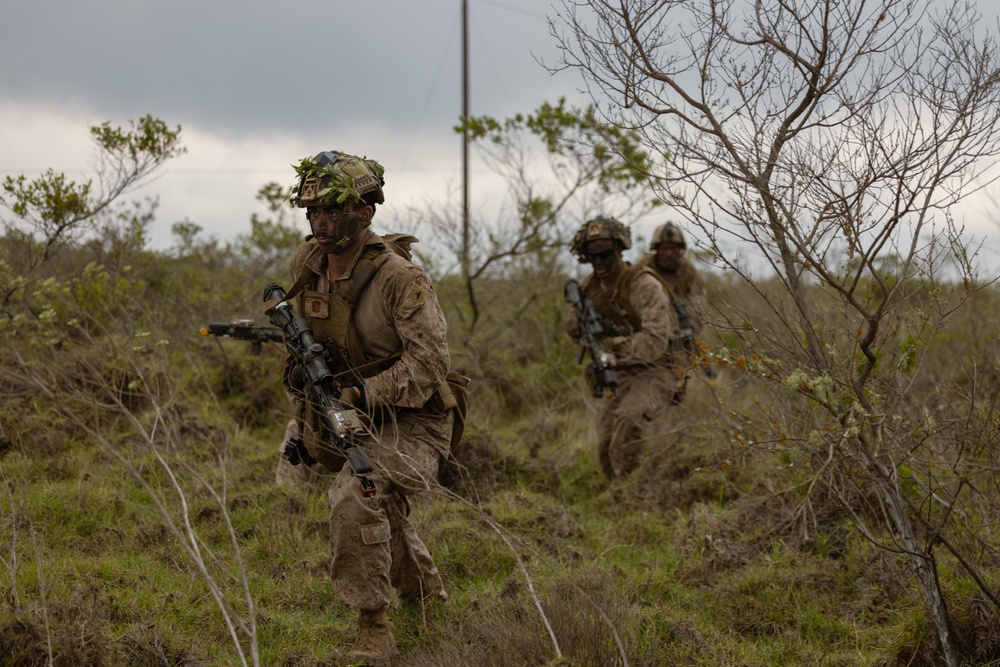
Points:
(336, 227)
(604, 256)
(668, 256)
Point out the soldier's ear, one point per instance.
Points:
(365, 212)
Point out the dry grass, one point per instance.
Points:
(141, 516)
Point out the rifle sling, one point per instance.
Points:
(367, 370)
(304, 277)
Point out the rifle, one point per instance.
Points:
(600, 370)
(687, 335)
(686, 326)
(243, 330)
(343, 425)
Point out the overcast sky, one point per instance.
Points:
(258, 85)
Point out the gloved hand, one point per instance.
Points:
(353, 395)
(607, 355)
(296, 452)
(609, 343)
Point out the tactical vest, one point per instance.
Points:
(331, 320)
(330, 314)
(614, 307)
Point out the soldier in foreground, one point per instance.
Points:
(385, 342)
(638, 324)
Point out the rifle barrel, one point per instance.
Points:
(591, 331)
(241, 331)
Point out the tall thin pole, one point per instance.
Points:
(466, 261)
(465, 139)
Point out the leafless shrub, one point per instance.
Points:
(831, 138)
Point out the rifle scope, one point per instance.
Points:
(298, 335)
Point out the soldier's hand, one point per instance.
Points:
(353, 395)
(611, 342)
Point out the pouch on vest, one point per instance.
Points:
(455, 397)
(453, 394)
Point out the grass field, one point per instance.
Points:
(140, 522)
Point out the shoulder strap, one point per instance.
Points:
(305, 274)
(637, 270)
(371, 260)
(400, 244)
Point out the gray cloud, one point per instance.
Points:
(257, 85)
(254, 67)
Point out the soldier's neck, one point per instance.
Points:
(338, 263)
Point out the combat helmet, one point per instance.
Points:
(333, 177)
(601, 227)
(667, 233)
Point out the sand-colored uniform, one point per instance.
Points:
(640, 324)
(685, 286)
(390, 337)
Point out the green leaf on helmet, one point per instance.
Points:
(338, 185)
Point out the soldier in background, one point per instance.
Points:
(639, 324)
(683, 282)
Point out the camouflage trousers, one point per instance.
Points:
(375, 548)
(625, 422)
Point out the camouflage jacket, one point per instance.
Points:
(392, 324)
(637, 315)
(685, 286)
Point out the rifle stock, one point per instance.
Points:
(343, 424)
(600, 370)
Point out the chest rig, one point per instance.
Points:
(331, 313)
(615, 308)
(331, 319)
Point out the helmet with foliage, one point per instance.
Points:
(599, 228)
(333, 177)
(667, 233)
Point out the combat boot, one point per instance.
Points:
(374, 642)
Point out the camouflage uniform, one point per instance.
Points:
(398, 326)
(639, 323)
(685, 285)
(687, 292)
